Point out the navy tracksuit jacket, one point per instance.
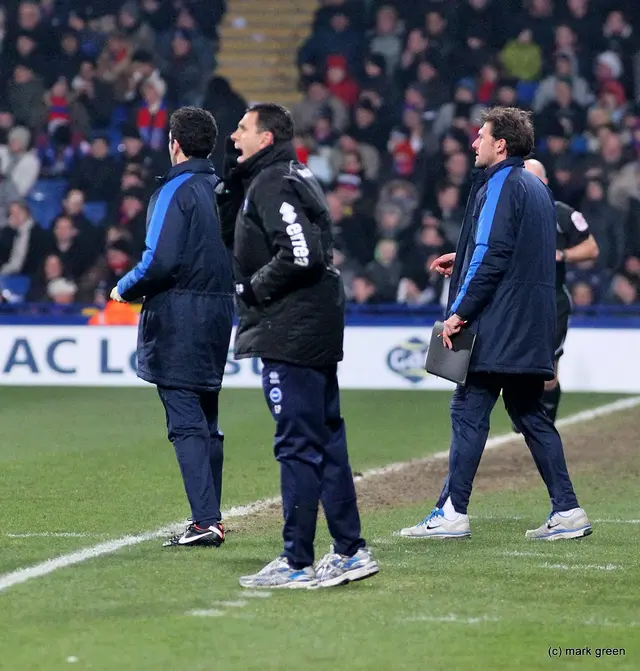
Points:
(503, 285)
(185, 327)
(503, 281)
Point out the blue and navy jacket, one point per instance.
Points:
(186, 280)
(503, 280)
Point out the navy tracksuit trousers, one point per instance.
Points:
(311, 446)
(471, 408)
(192, 426)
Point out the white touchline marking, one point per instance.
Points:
(582, 567)
(206, 613)
(23, 575)
(510, 518)
(507, 438)
(231, 604)
(596, 622)
(450, 618)
(72, 659)
(51, 534)
(456, 619)
(520, 553)
(109, 547)
(256, 595)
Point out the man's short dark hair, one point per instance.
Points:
(274, 119)
(195, 130)
(514, 126)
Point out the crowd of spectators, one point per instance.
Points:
(392, 96)
(392, 93)
(86, 91)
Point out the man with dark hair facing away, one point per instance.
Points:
(186, 280)
(502, 288)
(291, 316)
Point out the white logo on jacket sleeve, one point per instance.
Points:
(579, 221)
(275, 395)
(294, 231)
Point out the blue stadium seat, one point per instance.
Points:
(115, 139)
(16, 285)
(95, 211)
(526, 92)
(579, 144)
(119, 116)
(45, 200)
(50, 188)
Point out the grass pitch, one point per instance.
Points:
(83, 466)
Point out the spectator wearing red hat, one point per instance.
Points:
(404, 159)
(339, 83)
(487, 83)
(613, 98)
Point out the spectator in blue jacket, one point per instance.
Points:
(503, 288)
(186, 280)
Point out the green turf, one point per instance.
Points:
(97, 461)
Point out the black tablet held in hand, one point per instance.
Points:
(450, 364)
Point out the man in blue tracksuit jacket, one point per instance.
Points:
(503, 289)
(186, 280)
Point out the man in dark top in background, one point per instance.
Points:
(574, 244)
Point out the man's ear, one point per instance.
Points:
(269, 138)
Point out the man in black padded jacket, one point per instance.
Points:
(291, 316)
(574, 243)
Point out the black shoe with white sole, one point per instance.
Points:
(212, 536)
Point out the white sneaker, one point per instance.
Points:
(568, 524)
(436, 525)
(334, 569)
(278, 574)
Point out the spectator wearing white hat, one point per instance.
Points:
(62, 291)
(18, 163)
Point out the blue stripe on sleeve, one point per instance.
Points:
(160, 210)
(485, 223)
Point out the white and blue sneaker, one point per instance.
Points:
(278, 574)
(566, 524)
(335, 569)
(436, 525)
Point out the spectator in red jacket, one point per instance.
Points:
(341, 85)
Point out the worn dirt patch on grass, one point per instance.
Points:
(607, 444)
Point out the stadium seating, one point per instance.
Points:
(14, 287)
(95, 212)
(45, 198)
